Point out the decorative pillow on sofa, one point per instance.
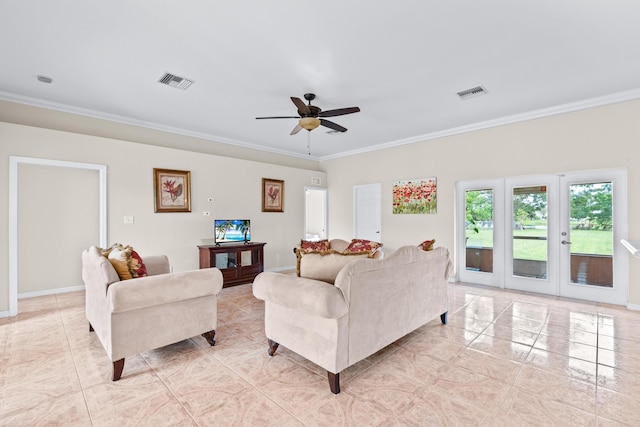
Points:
(308, 246)
(427, 245)
(127, 263)
(362, 246)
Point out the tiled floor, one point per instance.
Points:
(504, 359)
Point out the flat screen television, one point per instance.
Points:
(231, 230)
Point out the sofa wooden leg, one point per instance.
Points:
(273, 346)
(444, 317)
(118, 366)
(334, 382)
(90, 327)
(210, 337)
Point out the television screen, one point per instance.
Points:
(232, 230)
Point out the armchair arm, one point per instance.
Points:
(310, 296)
(151, 291)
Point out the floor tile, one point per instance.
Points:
(524, 408)
(563, 365)
(506, 358)
(620, 407)
(562, 389)
(568, 348)
(504, 349)
(473, 387)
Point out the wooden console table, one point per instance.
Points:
(239, 263)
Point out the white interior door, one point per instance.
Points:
(367, 212)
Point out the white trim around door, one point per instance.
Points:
(14, 163)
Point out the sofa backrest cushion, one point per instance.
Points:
(325, 267)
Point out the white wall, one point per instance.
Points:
(235, 185)
(598, 138)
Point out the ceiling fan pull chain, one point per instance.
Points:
(309, 142)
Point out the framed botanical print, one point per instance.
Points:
(172, 190)
(272, 195)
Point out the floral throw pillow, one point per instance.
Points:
(127, 263)
(427, 245)
(362, 246)
(308, 246)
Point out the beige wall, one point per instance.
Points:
(598, 138)
(235, 185)
(51, 224)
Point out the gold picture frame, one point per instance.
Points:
(172, 189)
(272, 195)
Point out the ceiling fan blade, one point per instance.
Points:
(302, 107)
(332, 125)
(279, 117)
(296, 129)
(339, 112)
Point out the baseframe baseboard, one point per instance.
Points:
(51, 292)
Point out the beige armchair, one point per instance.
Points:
(136, 315)
(373, 303)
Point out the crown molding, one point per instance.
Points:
(615, 98)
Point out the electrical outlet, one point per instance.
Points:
(128, 219)
(206, 213)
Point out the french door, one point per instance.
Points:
(556, 235)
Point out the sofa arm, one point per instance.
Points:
(310, 296)
(151, 291)
(156, 264)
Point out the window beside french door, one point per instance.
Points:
(556, 235)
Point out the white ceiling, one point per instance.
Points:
(401, 62)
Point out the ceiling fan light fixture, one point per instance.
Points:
(309, 123)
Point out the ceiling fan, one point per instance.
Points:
(310, 116)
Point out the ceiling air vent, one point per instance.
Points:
(175, 81)
(472, 93)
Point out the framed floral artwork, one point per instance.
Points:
(415, 196)
(172, 190)
(272, 195)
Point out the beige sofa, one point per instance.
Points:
(140, 314)
(373, 303)
(326, 267)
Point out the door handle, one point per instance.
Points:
(564, 242)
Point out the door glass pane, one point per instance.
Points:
(592, 234)
(529, 231)
(479, 230)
